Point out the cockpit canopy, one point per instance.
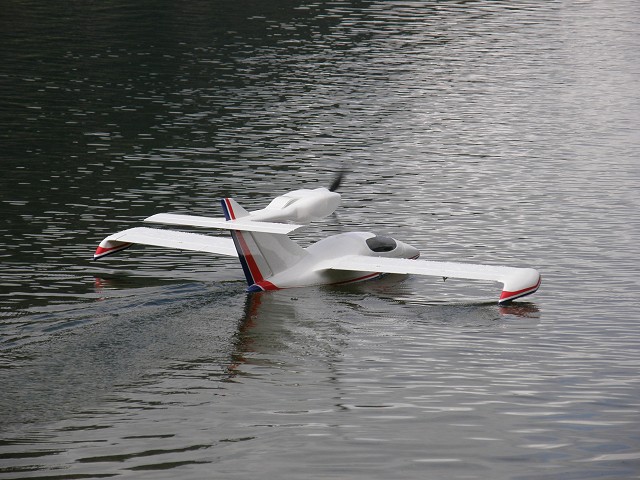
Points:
(381, 244)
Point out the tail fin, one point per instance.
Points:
(232, 209)
(262, 255)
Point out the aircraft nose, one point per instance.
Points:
(409, 251)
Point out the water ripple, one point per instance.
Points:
(480, 132)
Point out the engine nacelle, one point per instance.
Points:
(299, 206)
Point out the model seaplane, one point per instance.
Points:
(271, 260)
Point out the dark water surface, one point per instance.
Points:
(489, 132)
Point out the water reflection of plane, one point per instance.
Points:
(293, 322)
(280, 323)
(524, 310)
(283, 325)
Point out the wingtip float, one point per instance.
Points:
(271, 260)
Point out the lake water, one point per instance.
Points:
(486, 132)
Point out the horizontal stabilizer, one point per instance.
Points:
(244, 223)
(165, 238)
(517, 282)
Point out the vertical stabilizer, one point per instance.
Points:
(262, 255)
(232, 209)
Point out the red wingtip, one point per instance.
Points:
(506, 296)
(102, 251)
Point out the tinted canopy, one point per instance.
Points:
(381, 244)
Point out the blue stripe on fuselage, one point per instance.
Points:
(228, 215)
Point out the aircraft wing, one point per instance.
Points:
(243, 223)
(517, 282)
(165, 238)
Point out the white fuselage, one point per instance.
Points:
(313, 268)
